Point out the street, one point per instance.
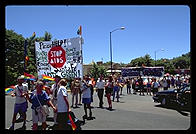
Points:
(133, 112)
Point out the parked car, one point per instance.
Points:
(180, 97)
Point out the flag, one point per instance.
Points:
(79, 32)
(72, 123)
(25, 54)
(27, 58)
(29, 76)
(9, 89)
(33, 36)
(45, 77)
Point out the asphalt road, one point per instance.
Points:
(133, 112)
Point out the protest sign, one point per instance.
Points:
(60, 57)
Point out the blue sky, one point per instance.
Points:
(147, 28)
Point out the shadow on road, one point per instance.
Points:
(181, 110)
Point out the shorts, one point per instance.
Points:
(86, 100)
(21, 107)
(38, 116)
(148, 85)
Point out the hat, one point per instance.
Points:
(20, 77)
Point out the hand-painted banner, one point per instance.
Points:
(142, 71)
(61, 57)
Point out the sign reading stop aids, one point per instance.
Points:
(57, 57)
(60, 57)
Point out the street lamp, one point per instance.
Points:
(121, 28)
(155, 55)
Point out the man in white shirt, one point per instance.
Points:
(100, 90)
(54, 90)
(21, 105)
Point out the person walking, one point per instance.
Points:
(62, 106)
(92, 83)
(116, 89)
(54, 90)
(21, 104)
(75, 87)
(128, 86)
(178, 83)
(155, 86)
(141, 86)
(165, 85)
(173, 82)
(86, 97)
(108, 91)
(149, 87)
(80, 92)
(133, 86)
(100, 90)
(121, 84)
(39, 99)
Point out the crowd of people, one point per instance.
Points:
(55, 96)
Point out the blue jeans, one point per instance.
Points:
(116, 91)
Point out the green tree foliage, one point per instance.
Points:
(145, 60)
(97, 70)
(14, 55)
(182, 62)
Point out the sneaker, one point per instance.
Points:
(77, 106)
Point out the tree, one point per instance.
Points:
(146, 60)
(47, 36)
(97, 70)
(182, 61)
(31, 68)
(14, 56)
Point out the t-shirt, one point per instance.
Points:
(43, 98)
(86, 91)
(61, 104)
(164, 83)
(100, 84)
(155, 85)
(18, 91)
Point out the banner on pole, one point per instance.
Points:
(60, 57)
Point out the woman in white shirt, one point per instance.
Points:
(62, 105)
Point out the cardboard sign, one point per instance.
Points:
(61, 57)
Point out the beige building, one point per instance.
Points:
(87, 67)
